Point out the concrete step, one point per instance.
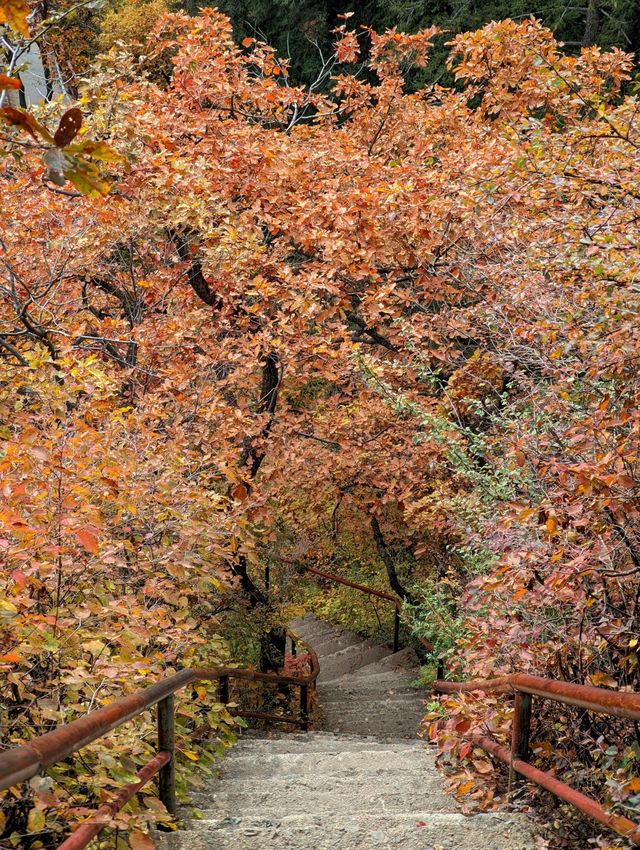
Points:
(367, 761)
(334, 693)
(404, 662)
(310, 742)
(309, 626)
(322, 830)
(340, 796)
(367, 784)
(334, 642)
(348, 660)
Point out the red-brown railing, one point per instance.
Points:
(23, 762)
(525, 687)
(381, 594)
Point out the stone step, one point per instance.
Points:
(368, 784)
(334, 642)
(311, 742)
(375, 795)
(371, 680)
(348, 660)
(404, 662)
(308, 627)
(375, 760)
(353, 692)
(323, 830)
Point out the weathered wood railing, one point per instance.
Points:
(524, 688)
(21, 763)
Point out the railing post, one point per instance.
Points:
(166, 744)
(521, 729)
(304, 708)
(293, 648)
(396, 631)
(223, 690)
(267, 577)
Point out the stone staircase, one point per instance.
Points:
(362, 782)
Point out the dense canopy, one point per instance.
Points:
(246, 323)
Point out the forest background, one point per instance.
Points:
(366, 301)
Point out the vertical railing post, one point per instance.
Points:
(293, 648)
(166, 744)
(396, 630)
(304, 708)
(267, 577)
(223, 690)
(521, 729)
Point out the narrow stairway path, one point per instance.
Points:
(362, 782)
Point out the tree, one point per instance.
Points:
(318, 321)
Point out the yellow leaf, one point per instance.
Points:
(96, 150)
(190, 755)
(14, 13)
(465, 787)
(7, 608)
(95, 647)
(87, 182)
(601, 678)
(36, 820)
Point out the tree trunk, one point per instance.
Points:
(394, 581)
(591, 24)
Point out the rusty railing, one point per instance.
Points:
(524, 688)
(21, 763)
(381, 594)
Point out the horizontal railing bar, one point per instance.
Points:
(370, 590)
(618, 823)
(88, 830)
(598, 700)
(27, 760)
(23, 762)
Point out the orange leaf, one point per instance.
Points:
(9, 83)
(601, 678)
(88, 539)
(239, 492)
(465, 788)
(12, 657)
(140, 841)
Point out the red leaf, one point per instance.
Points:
(68, 127)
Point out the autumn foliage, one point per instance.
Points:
(304, 314)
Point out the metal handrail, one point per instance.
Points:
(525, 687)
(381, 594)
(23, 762)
